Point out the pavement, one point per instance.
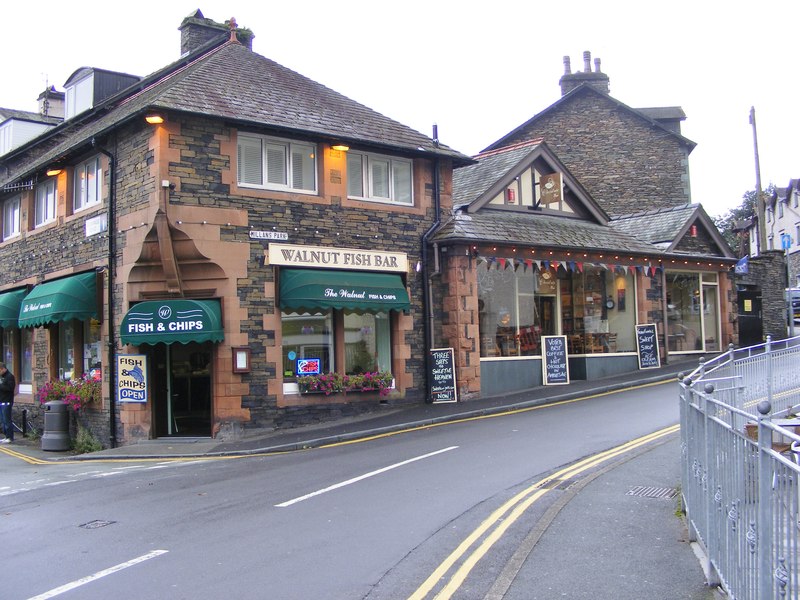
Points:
(602, 542)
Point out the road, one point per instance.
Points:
(358, 520)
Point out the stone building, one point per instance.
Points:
(578, 224)
(200, 238)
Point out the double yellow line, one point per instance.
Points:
(498, 523)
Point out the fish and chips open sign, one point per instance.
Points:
(308, 366)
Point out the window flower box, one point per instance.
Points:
(334, 383)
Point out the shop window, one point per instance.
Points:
(598, 311)
(515, 309)
(26, 355)
(92, 349)
(88, 184)
(361, 341)
(307, 336)
(381, 178)
(367, 345)
(8, 351)
(276, 164)
(66, 349)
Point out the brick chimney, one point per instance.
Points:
(597, 79)
(197, 31)
(51, 103)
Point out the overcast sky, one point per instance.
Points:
(478, 70)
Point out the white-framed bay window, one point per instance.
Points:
(380, 178)
(45, 210)
(88, 184)
(11, 217)
(276, 164)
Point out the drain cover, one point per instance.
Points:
(652, 492)
(96, 524)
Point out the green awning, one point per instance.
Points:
(9, 307)
(60, 300)
(314, 289)
(171, 321)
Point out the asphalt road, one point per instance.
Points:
(363, 520)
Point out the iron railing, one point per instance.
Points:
(740, 473)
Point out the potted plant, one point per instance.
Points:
(75, 393)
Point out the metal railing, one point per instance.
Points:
(740, 472)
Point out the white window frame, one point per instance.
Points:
(92, 195)
(11, 217)
(45, 203)
(370, 182)
(269, 173)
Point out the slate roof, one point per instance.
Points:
(658, 227)
(530, 229)
(666, 227)
(586, 88)
(24, 115)
(231, 82)
(473, 181)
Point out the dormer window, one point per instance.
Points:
(79, 97)
(276, 164)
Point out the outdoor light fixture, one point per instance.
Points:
(154, 119)
(53, 171)
(341, 147)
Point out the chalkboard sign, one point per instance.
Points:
(442, 375)
(647, 346)
(555, 366)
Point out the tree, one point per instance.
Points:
(734, 224)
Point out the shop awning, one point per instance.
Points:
(313, 289)
(171, 321)
(9, 307)
(60, 300)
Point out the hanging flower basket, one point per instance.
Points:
(75, 393)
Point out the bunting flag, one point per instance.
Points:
(569, 266)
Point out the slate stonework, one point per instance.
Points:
(625, 163)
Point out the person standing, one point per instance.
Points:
(8, 385)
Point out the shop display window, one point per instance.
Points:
(307, 336)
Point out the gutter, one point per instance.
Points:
(112, 249)
(426, 275)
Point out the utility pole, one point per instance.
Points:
(761, 238)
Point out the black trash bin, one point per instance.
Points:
(56, 427)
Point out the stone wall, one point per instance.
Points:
(767, 272)
(626, 163)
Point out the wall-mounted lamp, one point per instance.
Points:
(154, 118)
(340, 146)
(53, 171)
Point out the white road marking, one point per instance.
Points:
(89, 578)
(362, 477)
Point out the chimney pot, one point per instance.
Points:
(587, 61)
(567, 68)
(597, 65)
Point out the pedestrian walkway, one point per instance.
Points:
(384, 419)
(607, 540)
